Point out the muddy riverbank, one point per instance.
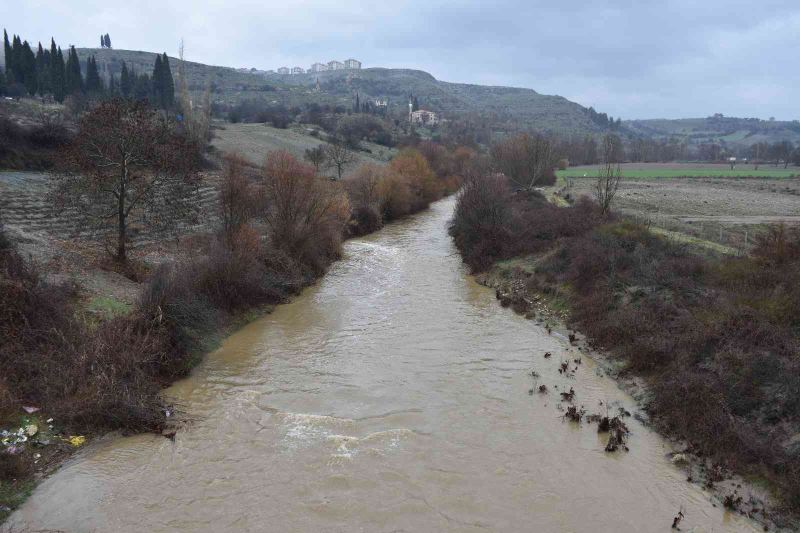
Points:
(391, 396)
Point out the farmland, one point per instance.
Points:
(698, 201)
(687, 170)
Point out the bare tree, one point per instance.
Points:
(316, 156)
(610, 174)
(339, 155)
(128, 167)
(195, 116)
(238, 198)
(525, 160)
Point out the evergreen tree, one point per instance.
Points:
(57, 72)
(94, 84)
(102, 41)
(125, 81)
(27, 68)
(108, 41)
(7, 50)
(155, 79)
(2, 82)
(73, 82)
(43, 70)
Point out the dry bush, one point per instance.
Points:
(307, 215)
(364, 188)
(526, 160)
(238, 198)
(411, 167)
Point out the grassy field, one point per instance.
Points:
(255, 141)
(685, 170)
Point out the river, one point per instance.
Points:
(391, 396)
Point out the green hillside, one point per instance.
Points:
(504, 108)
(718, 129)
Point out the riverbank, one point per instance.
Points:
(705, 343)
(511, 281)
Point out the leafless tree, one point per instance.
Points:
(238, 198)
(610, 174)
(525, 160)
(195, 115)
(127, 167)
(339, 155)
(316, 156)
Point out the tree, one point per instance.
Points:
(73, 82)
(127, 167)
(107, 41)
(102, 41)
(237, 199)
(94, 85)
(8, 52)
(526, 160)
(339, 155)
(57, 72)
(782, 151)
(306, 214)
(195, 116)
(316, 156)
(125, 81)
(3, 86)
(610, 174)
(163, 85)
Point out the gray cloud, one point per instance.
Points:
(629, 58)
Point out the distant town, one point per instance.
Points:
(349, 64)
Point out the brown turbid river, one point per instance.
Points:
(392, 396)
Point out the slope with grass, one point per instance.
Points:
(254, 141)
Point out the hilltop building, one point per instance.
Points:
(283, 70)
(335, 65)
(298, 70)
(352, 64)
(318, 67)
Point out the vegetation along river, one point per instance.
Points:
(392, 396)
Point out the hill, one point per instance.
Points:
(503, 108)
(729, 131)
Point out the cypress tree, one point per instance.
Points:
(57, 72)
(43, 70)
(7, 51)
(2, 82)
(156, 80)
(94, 84)
(167, 84)
(108, 41)
(125, 82)
(73, 82)
(102, 41)
(27, 68)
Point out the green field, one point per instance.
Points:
(652, 171)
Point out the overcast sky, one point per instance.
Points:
(628, 58)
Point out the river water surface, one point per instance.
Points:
(392, 396)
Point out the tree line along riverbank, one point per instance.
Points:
(716, 338)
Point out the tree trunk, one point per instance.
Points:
(121, 220)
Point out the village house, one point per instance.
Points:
(283, 70)
(298, 70)
(318, 67)
(335, 65)
(352, 64)
(423, 117)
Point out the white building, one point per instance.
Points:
(352, 64)
(298, 70)
(283, 70)
(335, 65)
(423, 117)
(318, 67)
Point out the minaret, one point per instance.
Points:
(410, 110)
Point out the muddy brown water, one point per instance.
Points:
(392, 396)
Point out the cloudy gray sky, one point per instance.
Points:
(629, 58)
